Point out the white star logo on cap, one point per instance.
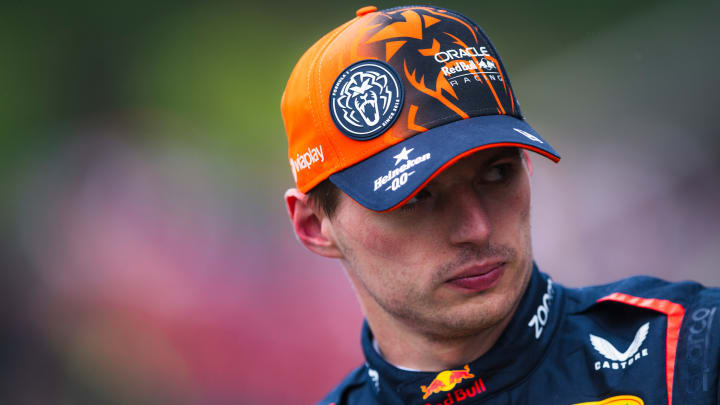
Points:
(402, 155)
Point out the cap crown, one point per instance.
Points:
(382, 78)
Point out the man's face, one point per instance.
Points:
(454, 260)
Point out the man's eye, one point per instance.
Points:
(496, 173)
(418, 198)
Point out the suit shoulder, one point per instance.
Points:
(685, 293)
(349, 389)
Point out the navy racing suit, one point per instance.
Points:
(636, 341)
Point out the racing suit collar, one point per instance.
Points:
(529, 333)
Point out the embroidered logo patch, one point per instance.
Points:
(366, 99)
(446, 381)
(620, 360)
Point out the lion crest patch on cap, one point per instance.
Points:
(366, 99)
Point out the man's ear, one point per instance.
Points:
(312, 227)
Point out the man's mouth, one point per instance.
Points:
(478, 278)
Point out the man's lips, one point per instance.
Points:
(478, 277)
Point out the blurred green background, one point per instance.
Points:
(145, 249)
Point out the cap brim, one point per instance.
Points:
(390, 178)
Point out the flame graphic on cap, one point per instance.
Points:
(404, 28)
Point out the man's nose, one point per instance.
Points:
(468, 217)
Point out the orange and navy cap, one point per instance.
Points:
(388, 100)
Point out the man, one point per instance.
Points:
(409, 153)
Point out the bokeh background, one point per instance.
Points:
(145, 252)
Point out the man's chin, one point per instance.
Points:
(468, 319)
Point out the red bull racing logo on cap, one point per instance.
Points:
(448, 379)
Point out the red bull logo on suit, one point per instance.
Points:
(447, 380)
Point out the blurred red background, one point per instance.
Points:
(146, 253)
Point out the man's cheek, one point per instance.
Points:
(384, 244)
(388, 244)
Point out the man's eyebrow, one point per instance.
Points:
(497, 155)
